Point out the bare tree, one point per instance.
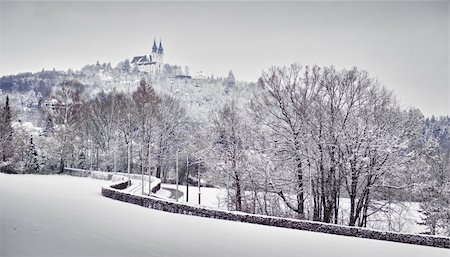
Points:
(65, 111)
(341, 127)
(228, 149)
(281, 108)
(171, 133)
(146, 108)
(102, 122)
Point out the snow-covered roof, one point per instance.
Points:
(142, 60)
(27, 126)
(139, 59)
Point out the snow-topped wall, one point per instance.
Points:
(114, 192)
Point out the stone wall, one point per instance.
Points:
(114, 192)
(88, 173)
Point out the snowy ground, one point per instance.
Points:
(211, 197)
(67, 216)
(404, 217)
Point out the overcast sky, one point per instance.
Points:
(403, 44)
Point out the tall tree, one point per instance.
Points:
(230, 82)
(31, 158)
(171, 133)
(65, 113)
(228, 149)
(146, 108)
(6, 132)
(280, 108)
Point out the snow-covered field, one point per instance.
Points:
(67, 216)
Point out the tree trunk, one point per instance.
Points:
(238, 191)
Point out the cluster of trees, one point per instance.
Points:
(433, 187)
(23, 82)
(17, 149)
(313, 136)
(140, 131)
(308, 138)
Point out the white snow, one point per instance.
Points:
(67, 216)
(27, 127)
(210, 197)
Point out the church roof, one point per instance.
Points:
(138, 58)
(142, 60)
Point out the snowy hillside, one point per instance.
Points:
(199, 96)
(70, 218)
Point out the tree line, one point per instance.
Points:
(309, 138)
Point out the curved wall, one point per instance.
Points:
(114, 192)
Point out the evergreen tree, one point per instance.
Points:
(6, 132)
(49, 126)
(31, 158)
(82, 158)
(230, 82)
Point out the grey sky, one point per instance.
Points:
(403, 44)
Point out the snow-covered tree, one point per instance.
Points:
(31, 158)
(331, 133)
(280, 108)
(6, 132)
(146, 108)
(101, 123)
(171, 133)
(228, 153)
(433, 179)
(65, 112)
(230, 82)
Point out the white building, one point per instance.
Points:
(152, 63)
(200, 75)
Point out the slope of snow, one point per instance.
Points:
(67, 216)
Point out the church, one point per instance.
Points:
(152, 63)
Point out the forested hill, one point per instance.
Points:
(93, 74)
(38, 82)
(198, 94)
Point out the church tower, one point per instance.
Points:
(160, 55)
(154, 48)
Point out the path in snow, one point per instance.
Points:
(67, 216)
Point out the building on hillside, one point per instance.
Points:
(199, 76)
(53, 104)
(152, 63)
(183, 77)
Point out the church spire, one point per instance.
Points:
(160, 49)
(155, 48)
